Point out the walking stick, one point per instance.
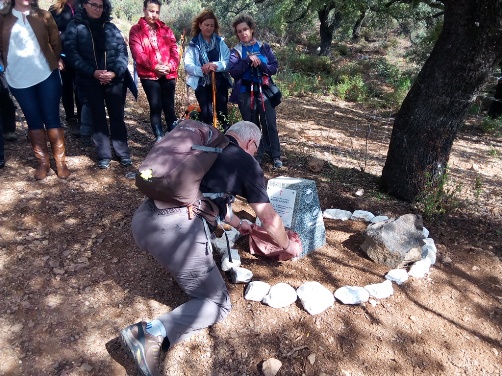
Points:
(214, 98)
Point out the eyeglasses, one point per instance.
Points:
(96, 6)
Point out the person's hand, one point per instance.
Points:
(97, 74)
(107, 77)
(209, 67)
(161, 69)
(61, 64)
(104, 76)
(245, 228)
(254, 60)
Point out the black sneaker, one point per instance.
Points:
(2, 163)
(144, 348)
(126, 162)
(104, 163)
(277, 163)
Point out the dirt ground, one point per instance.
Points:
(72, 277)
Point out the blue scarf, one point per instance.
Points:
(204, 48)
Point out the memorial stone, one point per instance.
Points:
(297, 202)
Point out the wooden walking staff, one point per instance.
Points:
(213, 79)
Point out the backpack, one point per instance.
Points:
(174, 167)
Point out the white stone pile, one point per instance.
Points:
(419, 269)
(314, 297)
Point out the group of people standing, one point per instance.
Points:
(74, 52)
(210, 67)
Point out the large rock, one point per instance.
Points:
(395, 243)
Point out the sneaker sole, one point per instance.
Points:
(135, 349)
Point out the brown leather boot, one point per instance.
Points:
(56, 138)
(39, 144)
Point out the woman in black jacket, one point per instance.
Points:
(98, 53)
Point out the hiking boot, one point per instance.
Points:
(104, 163)
(277, 163)
(144, 348)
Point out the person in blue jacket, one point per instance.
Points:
(251, 62)
(208, 53)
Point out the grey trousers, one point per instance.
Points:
(265, 120)
(182, 246)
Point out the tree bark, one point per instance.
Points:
(356, 29)
(327, 27)
(425, 127)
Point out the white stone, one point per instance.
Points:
(240, 275)
(379, 218)
(280, 296)
(397, 275)
(380, 290)
(359, 215)
(429, 250)
(425, 232)
(315, 297)
(337, 214)
(420, 268)
(226, 265)
(220, 244)
(352, 295)
(271, 366)
(256, 291)
(311, 358)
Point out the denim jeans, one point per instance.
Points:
(160, 95)
(40, 102)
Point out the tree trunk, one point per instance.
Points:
(356, 30)
(327, 27)
(426, 125)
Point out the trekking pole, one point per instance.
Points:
(213, 79)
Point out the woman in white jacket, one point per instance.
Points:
(208, 53)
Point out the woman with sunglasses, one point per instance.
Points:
(30, 53)
(98, 53)
(154, 49)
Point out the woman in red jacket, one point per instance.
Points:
(153, 47)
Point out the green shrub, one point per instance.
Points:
(439, 196)
(401, 89)
(342, 49)
(131, 10)
(352, 88)
(492, 126)
(309, 64)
